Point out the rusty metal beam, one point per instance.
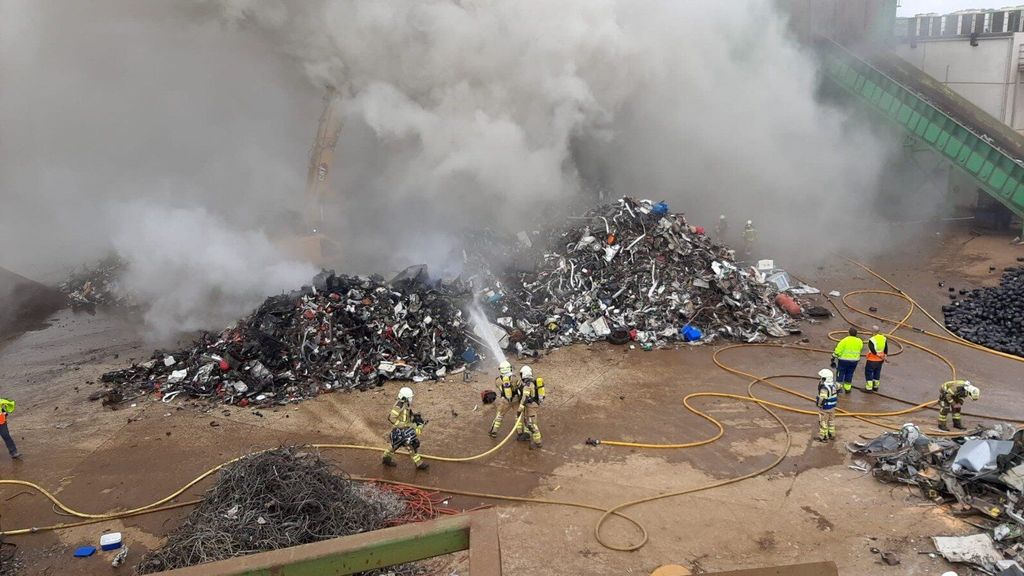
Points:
(815, 569)
(475, 531)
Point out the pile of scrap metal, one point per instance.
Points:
(343, 332)
(630, 270)
(982, 473)
(97, 285)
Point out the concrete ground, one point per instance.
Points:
(811, 507)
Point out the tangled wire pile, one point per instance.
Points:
(272, 500)
(343, 332)
(628, 270)
(992, 317)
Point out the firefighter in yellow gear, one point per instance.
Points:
(406, 427)
(951, 399)
(509, 390)
(828, 398)
(532, 393)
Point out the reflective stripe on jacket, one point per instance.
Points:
(401, 415)
(828, 396)
(953, 391)
(849, 348)
(878, 347)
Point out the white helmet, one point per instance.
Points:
(505, 368)
(750, 222)
(526, 372)
(972, 390)
(721, 217)
(405, 393)
(826, 375)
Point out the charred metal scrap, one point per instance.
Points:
(982, 473)
(97, 285)
(343, 332)
(627, 270)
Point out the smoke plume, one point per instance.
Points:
(178, 133)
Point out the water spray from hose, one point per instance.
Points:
(484, 330)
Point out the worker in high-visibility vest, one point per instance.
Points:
(878, 350)
(845, 358)
(6, 407)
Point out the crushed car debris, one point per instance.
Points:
(976, 474)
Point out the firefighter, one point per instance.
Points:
(6, 407)
(845, 358)
(878, 349)
(828, 397)
(406, 427)
(749, 237)
(532, 393)
(951, 399)
(721, 228)
(509, 395)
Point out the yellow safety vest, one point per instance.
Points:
(879, 341)
(849, 348)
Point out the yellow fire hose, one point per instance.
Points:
(162, 504)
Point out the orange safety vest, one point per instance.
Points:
(3, 418)
(880, 344)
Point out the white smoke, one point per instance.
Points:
(458, 115)
(194, 271)
(474, 111)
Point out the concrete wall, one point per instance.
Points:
(978, 73)
(986, 74)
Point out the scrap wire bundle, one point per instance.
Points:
(272, 500)
(628, 270)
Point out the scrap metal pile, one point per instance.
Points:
(97, 285)
(344, 332)
(992, 317)
(272, 500)
(627, 270)
(978, 474)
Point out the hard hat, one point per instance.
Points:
(750, 222)
(972, 390)
(526, 372)
(825, 374)
(505, 368)
(721, 217)
(874, 329)
(405, 393)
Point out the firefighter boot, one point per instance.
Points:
(943, 426)
(422, 466)
(389, 461)
(958, 424)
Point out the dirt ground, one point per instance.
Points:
(811, 507)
